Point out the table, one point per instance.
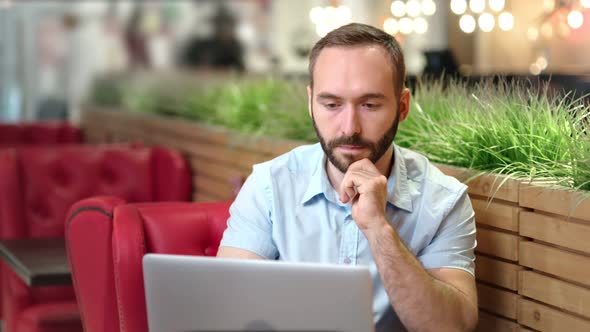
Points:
(38, 261)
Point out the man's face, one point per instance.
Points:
(353, 104)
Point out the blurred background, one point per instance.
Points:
(53, 52)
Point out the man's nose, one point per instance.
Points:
(351, 124)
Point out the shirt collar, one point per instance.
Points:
(398, 190)
(319, 182)
(397, 184)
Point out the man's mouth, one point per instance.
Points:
(351, 147)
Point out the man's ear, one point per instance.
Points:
(309, 100)
(404, 104)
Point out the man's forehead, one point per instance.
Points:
(364, 56)
(367, 66)
(360, 51)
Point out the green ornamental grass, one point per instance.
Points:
(511, 128)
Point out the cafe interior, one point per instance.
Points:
(128, 128)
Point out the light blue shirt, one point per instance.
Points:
(288, 210)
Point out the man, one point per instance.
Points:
(356, 198)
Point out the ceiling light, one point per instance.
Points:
(548, 5)
(420, 25)
(467, 23)
(575, 19)
(413, 8)
(398, 8)
(315, 14)
(391, 26)
(477, 6)
(406, 25)
(506, 21)
(458, 6)
(486, 22)
(542, 62)
(497, 5)
(534, 69)
(428, 7)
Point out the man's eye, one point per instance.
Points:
(370, 106)
(331, 106)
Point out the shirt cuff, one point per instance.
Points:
(447, 261)
(257, 247)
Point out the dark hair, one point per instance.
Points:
(357, 34)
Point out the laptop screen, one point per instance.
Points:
(189, 293)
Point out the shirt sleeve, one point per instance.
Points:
(454, 243)
(249, 226)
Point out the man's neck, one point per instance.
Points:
(384, 165)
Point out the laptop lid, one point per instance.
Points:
(191, 293)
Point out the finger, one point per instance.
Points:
(351, 182)
(363, 165)
(346, 193)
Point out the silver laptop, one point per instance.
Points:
(189, 293)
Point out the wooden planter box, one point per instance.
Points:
(497, 252)
(533, 256)
(555, 288)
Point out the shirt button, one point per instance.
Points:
(347, 260)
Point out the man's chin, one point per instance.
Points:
(349, 158)
(345, 160)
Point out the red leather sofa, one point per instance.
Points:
(37, 187)
(106, 241)
(38, 133)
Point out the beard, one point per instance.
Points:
(376, 149)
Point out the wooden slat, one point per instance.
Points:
(223, 154)
(496, 214)
(490, 323)
(194, 131)
(196, 139)
(557, 231)
(555, 292)
(129, 129)
(497, 272)
(561, 263)
(169, 142)
(495, 243)
(544, 318)
(485, 185)
(124, 126)
(498, 301)
(187, 129)
(216, 170)
(213, 187)
(237, 159)
(575, 204)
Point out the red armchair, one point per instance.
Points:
(37, 187)
(106, 242)
(38, 133)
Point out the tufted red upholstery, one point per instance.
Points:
(38, 133)
(117, 245)
(39, 184)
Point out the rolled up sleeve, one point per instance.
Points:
(454, 243)
(249, 226)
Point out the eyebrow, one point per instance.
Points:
(372, 95)
(327, 95)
